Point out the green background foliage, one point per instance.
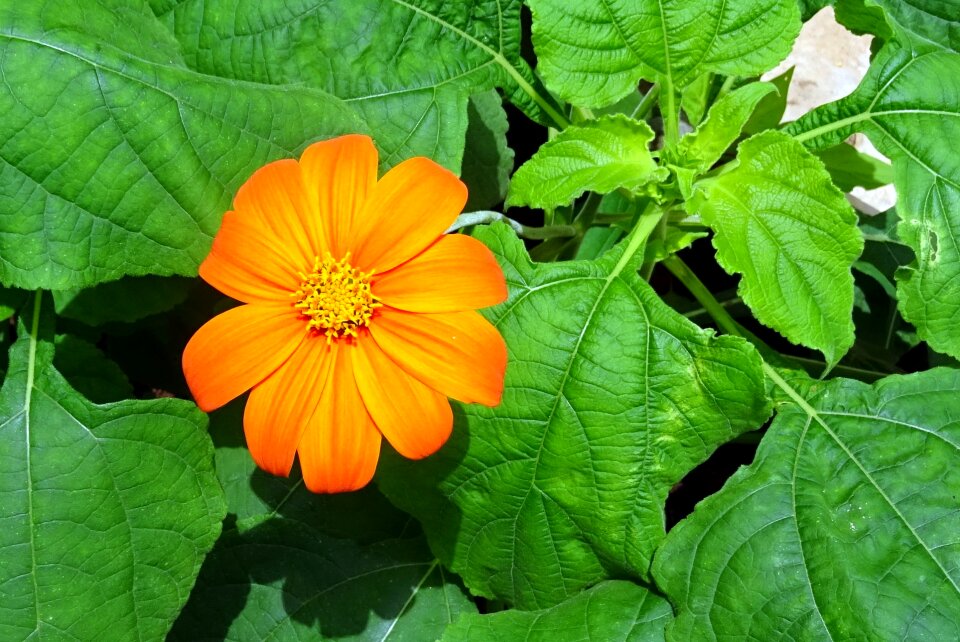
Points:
(641, 126)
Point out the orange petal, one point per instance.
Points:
(410, 207)
(237, 350)
(457, 353)
(338, 174)
(455, 273)
(276, 198)
(247, 263)
(280, 407)
(340, 447)
(414, 418)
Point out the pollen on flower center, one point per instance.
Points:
(335, 298)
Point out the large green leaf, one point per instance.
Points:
(924, 22)
(282, 580)
(611, 398)
(909, 107)
(114, 158)
(408, 66)
(614, 611)
(844, 528)
(296, 565)
(599, 156)
(107, 511)
(593, 52)
(364, 516)
(790, 232)
(487, 160)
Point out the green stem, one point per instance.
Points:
(781, 383)
(670, 114)
(659, 234)
(727, 85)
(32, 354)
(637, 238)
(700, 292)
(584, 217)
(829, 127)
(692, 314)
(483, 217)
(548, 232)
(645, 106)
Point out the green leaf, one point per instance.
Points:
(408, 66)
(926, 22)
(769, 111)
(281, 580)
(781, 223)
(598, 240)
(725, 120)
(117, 160)
(312, 567)
(610, 398)
(89, 371)
(594, 52)
(614, 611)
(107, 511)
(850, 168)
(364, 516)
(909, 107)
(11, 300)
(695, 98)
(487, 160)
(862, 17)
(845, 526)
(599, 156)
(808, 8)
(127, 300)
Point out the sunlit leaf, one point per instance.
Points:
(593, 52)
(790, 232)
(725, 120)
(598, 156)
(845, 526)
(909, 107)
(115, 159)
(611, 398)
(613, 611)
(407, 66)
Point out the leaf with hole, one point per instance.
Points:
(903, 98)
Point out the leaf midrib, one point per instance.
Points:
(27, 401)
(814, 415)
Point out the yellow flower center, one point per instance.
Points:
(336, 298)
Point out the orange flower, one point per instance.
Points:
(360, 313)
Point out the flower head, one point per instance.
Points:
(359, 313)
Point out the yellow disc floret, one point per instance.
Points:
(335, 298)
